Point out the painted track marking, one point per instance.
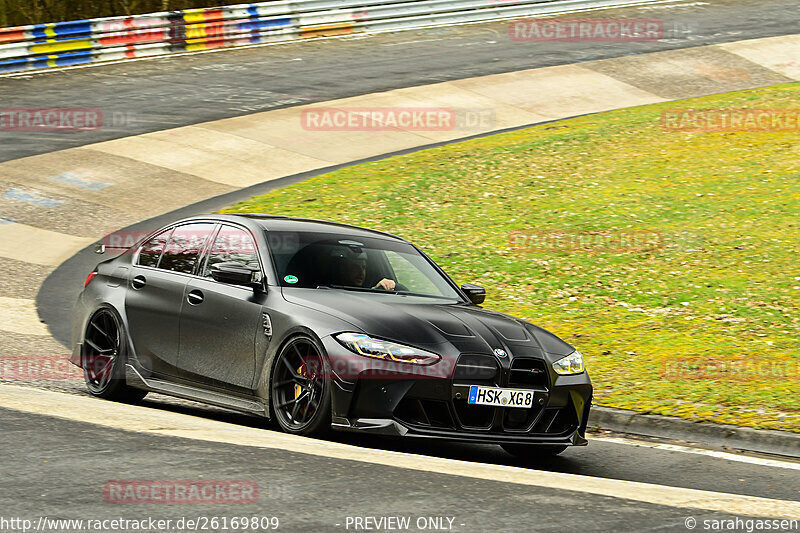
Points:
(701, 451)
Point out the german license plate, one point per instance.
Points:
(500, 397)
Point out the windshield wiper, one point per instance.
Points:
(360, 289)
(423, 295)
(384, 291)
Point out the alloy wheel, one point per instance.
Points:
(101, 350)
(300, 390)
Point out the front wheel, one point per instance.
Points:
(104, 359)
(300, 391)
(533, 452)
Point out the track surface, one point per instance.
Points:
(290, 485)
(146, 96)
(311, 492)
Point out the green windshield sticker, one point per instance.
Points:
(290, 279)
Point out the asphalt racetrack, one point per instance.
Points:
(60, 450)
(144, 96)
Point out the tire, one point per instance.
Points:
(300, 388)
(533, 452)
(103, 358)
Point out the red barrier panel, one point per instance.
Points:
(9, 35)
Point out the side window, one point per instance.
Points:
(185, 246)
(152, 249)
(232, 245)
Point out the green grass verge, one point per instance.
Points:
(702, 325)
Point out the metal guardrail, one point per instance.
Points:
(106, 39)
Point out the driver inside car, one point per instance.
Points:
(350, 268)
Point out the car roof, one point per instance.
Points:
(285, 223)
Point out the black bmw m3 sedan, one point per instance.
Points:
(321, 326)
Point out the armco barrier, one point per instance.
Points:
(107, 39)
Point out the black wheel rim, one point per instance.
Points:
(101, 348)
(298, 384)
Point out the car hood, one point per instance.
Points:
(432, 324)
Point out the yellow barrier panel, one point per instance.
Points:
(60, 46)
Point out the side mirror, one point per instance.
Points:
(237, 274)
(475, 293)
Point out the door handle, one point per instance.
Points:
(195, 297)
(138, 282)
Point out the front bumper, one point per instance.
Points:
(368, 399)
(392, 428)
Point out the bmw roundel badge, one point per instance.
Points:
(499, 352)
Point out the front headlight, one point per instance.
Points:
(571, 364)
(388, 351)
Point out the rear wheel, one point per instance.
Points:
(533, 451)
(104, 359)
(300, 390)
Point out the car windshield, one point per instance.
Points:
(334, 261)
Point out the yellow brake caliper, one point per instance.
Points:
(297, 388)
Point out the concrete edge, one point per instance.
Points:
(725, 436)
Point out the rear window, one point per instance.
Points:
(151, 250)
